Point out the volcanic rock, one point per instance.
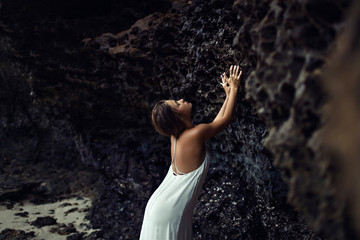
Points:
(79, 86)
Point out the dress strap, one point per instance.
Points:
(174, 160)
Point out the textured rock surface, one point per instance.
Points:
(15, 234)
(291, 42)
(341, 136)
(79, 86)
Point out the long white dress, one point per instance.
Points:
(169, 211)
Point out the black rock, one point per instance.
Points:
(44, 221)
(22, 214)
(75, 236)
(13, 234)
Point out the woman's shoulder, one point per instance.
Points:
(192, 134)
(203, 132)
(190, 141)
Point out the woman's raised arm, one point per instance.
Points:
(206, 131)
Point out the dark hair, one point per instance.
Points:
(166, 121)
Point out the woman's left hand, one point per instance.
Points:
(225, 83)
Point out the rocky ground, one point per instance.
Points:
(79, 80)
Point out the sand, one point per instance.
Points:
(68, 211)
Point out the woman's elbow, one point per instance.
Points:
(225, 121)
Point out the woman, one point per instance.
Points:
(168, 213)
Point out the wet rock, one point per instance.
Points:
(71, 210)
(65, 205)
(22, 214)
(97, 235)
(75, 236)
(64, 229)
(44, 221)
(8, 205)
(16, 234)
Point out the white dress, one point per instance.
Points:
(169, 211)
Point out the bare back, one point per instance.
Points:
(190, 151)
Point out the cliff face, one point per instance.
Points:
(291, 43)
(340, 136)
(79, 86)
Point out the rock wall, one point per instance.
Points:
(87, 79)
(339, 137)
(291, 42)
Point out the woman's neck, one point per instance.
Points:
(189, 124)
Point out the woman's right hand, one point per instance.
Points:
(235, 77)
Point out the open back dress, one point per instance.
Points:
(169, 211)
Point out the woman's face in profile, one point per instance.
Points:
(180, 106)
